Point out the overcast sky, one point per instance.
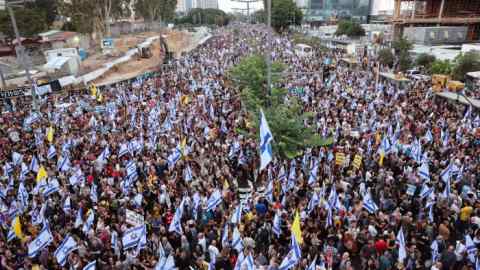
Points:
(228, 5)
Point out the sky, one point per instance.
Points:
(229, 5)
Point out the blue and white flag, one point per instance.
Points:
(312, 178)
(64, 164)
(76, 178)
(66, 247)
(51, 152)
(132, 237)
(293, 257)
(237, 214)
(165, 263)
(16, 158)
(428, 136)
(313, 265)
(471, 248)
(93, 193)
(248, 263)
(67, 205)
(446, 192)
(224, 239)
(329, 218)
(424, 172)
(22, 195)
(196, 204)
(187, 174)
(103, 157)
(269, 192)
(176, 224)
(369, 204)
(132, 174)
(52, 187)
(426, 191)
(237, 242)
(277, 223)
(44, 238)
(265, 142)
(435, 253)
(90, 266)
(314, 201)
(333, 199)
(240, 259)
(34, 165)
(89, 222)
(174, 157)
(114, 240)
(402, 250)
(214, 200)
(123, 150)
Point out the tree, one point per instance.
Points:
(402, 45)
(404, 61)
(349, 28)
(29, 22)
(425, 60)
(48, 7)
(260, 16)
(207, 16)
(385, 56)
(465, 63)
(285, 119)
(284, 14)
(152, 10)
(441, 67)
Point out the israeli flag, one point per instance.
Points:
(76, 177)
(16, 158)
(447, 191)
(269, 192)
(430, 205)
(174, 157)
(225, 235)
(132, 237)
(312, 178)
(329, 219)
(196, 204)
(67, 205)
(176, 224)
(51, 152)
(166, 263)
(114, 240)
(66, 247)
(293, 257)
(277, 223)
(90, 266)
(426, 191)
(63, 164)
(52, 187)
(11, 235)
(22, 195)
(265, 142)
(237, 242)
(369, 204)
(43, 239)
(89, 223)
(434, 249)
(214, 200)
(93, 193)
(314, 201)
(132, 174)
(104, 155)
(445, 137)
(123, 150)
(333, 199)
(282, 175)
(237, 214)
(385, 145)
(424, 172)
(187, 174)
(8, 168)
(313, 265)
(248, 263)
(402, 251)
(471, 248)
(240, 259)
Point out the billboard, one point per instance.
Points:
(328, 9)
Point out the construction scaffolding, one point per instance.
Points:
(437, 13)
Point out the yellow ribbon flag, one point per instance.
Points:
(50, 133)
(93, 90)
(339, 158)
(17, 227)
(357, 161)
(99, 97)
(185, 99)
(382, 156)
(41, 174)
(377, 138)
(226, 186)
(296, 228)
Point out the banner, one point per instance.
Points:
(17, 92)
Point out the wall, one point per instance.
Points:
(436, 35)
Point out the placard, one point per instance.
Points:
(133, 218)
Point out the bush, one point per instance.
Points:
(425, 60)
(441, 67)
(350, 28)
(385, 56)
(402, 45)
(465, 63)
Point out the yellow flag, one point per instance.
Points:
(377, 138)
(183, 143)
(226, 185)
(339, 158)
(382, 156)
(17, 227)
(357, 161)
(99, 97)
(41, 174)
(93, 90)
(50, 133)
(296, 228)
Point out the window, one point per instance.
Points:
(445, 34)
(432, 35)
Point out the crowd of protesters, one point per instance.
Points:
(167, 150)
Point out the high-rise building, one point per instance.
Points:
(180, 6)
(325, 10)
(188, 5)
(207, 4)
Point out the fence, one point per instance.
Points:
(121, 28)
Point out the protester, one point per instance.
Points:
(152, 174)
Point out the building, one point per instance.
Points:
(188, 5)
(333, 10)
(424, 13)
(203, 4)
(180, 6)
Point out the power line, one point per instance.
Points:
(248, 8)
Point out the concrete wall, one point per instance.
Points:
(436, 35)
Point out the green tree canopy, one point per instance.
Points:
(29, 22)
(285, 118)
(465, 63)
(48, 7)
(349, 28)
(441, 67)
(402, 45)
(284, 14)
(152, 10)
(404, 61)
(425, 60)
(385, 56)
(207, 16)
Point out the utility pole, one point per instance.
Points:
(269, 47)
(20, 50)
(248, 2)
